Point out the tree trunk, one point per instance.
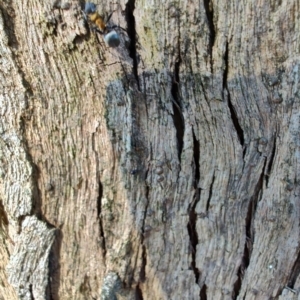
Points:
(166, 168)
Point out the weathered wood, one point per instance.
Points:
(163, 169)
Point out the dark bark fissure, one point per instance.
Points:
(249, 232)
(210, 192)
(236, 124)
(193, 235)
(144, 253)
(36, 193)
(144, 263)
(203, 294)
(99, 200)
(99, 210)
(3, 217)
(252, 209)
(237, 285)
(233, 114)
(191, 227)
(85, 287)
(196, 160)
(208, 6)
(225, 73)
(177, 113)
(138, 293)
(8, 15)
(145, 212)
(31, 292)
(54, 267)
(295, 272)
(130, 19)
(270, 164)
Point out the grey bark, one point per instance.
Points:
(166, 168)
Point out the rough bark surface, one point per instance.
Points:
(166, 168)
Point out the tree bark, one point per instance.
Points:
(166, 168)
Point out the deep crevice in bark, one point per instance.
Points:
(196, 160)
(31, 292)
(210, 192)
(3, 217)
(233, 114)
(36, 192)
(236, 124)
(54, 267)
(271, 161)
(251, 210)
(191, 227)
(260, 182)
(237, 285)
(138, 293)
(99, 210)
(225, 73)
(208, 6)
(244, 264)
(295, 271)
(99, 199)
(8, 15)
(193, 235)
(203, 294)
(142, 236)
(130, 19)
(144, 263)
(85, 287)
(177, 113)
(145, 212)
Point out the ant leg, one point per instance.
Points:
(117, 26)
(110, 16)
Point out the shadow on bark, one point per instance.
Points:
(54, 267)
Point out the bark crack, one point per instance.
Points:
(144, 253)
(177, 112)
(130, 19)
(54, 267)
(191, 227)
(196, 160)
(251, 210)
(99, 214)
(210, 193)
(8, 14)
(208, 6)
(271, 161)
(144, 263)
(31, 292)
(226, 63)
(233, 114)
(203, 294)
(99, 201)
(138, 293)
(295, 272)
(193, 235)
(145, 212)
(3, 219)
